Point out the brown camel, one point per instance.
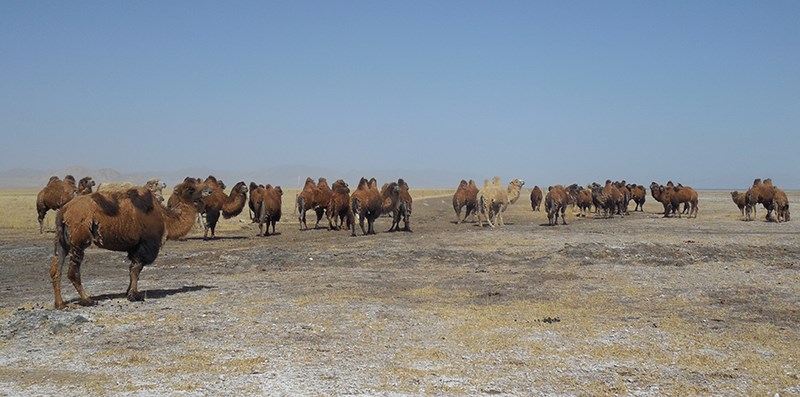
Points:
(403, 209)
(338, 210)
(638, 195)
(322, 199)
(218, 203)
(390, 202)
(57, 193)
(466, 196)
(536, 198)
(740, 199)
(556, 201)
(306, 200)
(129, 221)
(268, 207)
(366, 203)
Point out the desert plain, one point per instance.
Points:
(636, 305)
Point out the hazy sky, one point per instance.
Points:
(706, 92)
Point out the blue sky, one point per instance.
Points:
(554, 92)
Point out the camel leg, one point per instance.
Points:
(74, 275)
(55, 274)
(457, 208)
(302, 219)
(320, 214)
(563, 219)
(41, 221)
(133, 288)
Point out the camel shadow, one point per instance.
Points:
(149, 294)
(217, 238)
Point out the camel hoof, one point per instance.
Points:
(136, 297)
(89, 302)
(59, 306)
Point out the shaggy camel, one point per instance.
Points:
(268, 207)
(607, 197)
(781, 205)
(740, 199)
(390, 202)
(671, 196)
(322, 199)
(536, 198)
(154, 185)
(218, 203)
(466, 195)
(556, 201)
(764, 193)
(493, 200)
(404, 208)
(638, 195)
(582, 197)
(306, 200)
(129, 221)
(338, 210)
(57, 193)
(366, 203)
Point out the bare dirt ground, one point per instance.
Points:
(633, 306)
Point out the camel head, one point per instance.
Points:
(85, 185)
(735, 194)
(240, 188)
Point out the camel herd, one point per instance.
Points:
(136, 220)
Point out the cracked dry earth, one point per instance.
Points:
(635, 306)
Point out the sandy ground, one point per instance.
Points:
(639, 305)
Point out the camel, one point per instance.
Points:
(536, 198)
(771, 197)
(366, 203)
(638, 195)
(154, 185)
(672, 196)
(218, 203)
(740, 199)
(404, 208)
(466, 195)
(556, 201)
(129, 221)
(493, 199)
(268, 207)
(390, 202)
(322, 199)
(306, 201)
(339, 206)
(57, 193)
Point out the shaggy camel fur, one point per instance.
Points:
(740, 199)
(129, 221)
(493, 200)
(556, 201)
(338, 210)
(268, 207)
(322, 199)
(154, 185)
(671, 196)
(57, 193)
(390, 199)
(781, 205)
(764, 193)
(583, 198)
(306, 200)
(251, 202)
(366, 203)
(536, 198)
(219, 203)
(490, 200)
(466, 195)
(404, 208)
(607, 197)
(639, 196)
